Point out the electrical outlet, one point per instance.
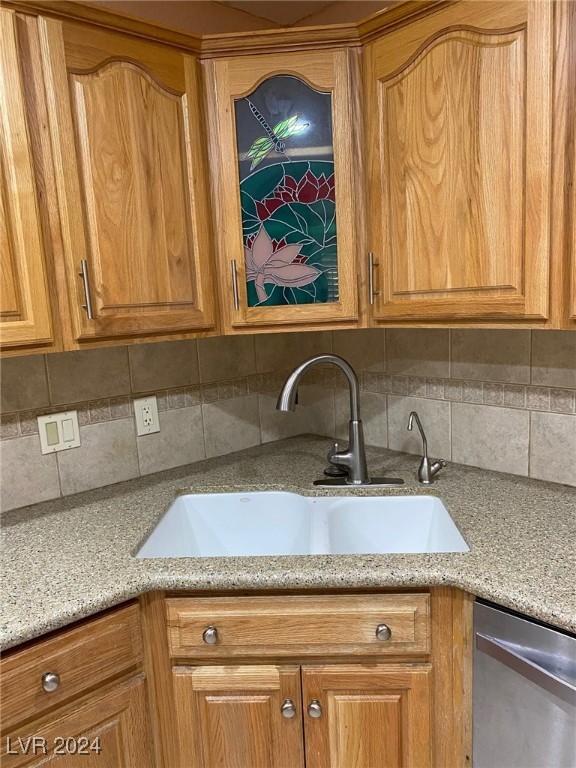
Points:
(146, 413)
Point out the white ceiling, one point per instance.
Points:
(282, 12)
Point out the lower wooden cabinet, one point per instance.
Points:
(327, 716)
(111, 729)
(321, 681)
(78, 697)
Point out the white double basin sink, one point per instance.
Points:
(269, 523)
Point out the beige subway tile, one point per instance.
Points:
(231, 425)
(91, 374)
(180, 441)
(554, 358)
(282, 351)
(373, 413)
(417, 351)
(362, 348)
(553, 447)
(490, 437)
(314, 414)
(23, 384)
(491, 355)
(226, 357)
(166, 365)
(26, 476)
(435, 418)
(107, 455)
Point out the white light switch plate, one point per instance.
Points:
(146, 413)
(59, 431)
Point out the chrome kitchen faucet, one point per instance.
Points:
(427, 468)
(353, 459)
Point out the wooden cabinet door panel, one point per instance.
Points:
(25, 316)
(230, 717)
(229, 79)
(116, 721)
(460, 150)
(132, 191)
(372, 716)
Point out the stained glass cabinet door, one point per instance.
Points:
(284, 150)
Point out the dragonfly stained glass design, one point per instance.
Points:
(287, 193)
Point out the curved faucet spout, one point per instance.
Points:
(353, 459)
(287, 397)
(413, 416)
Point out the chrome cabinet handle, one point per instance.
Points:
(511, 656)
(86, 280)
(383, 632)
(50, 681)
(314, 708)
(235, 293)
(288, 709)
(371, 265)
(210, 635)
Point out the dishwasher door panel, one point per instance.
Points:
(524, 693)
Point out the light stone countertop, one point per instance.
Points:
(67, 559)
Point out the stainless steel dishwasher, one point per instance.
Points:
(524, 712)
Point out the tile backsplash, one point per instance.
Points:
(498, 399)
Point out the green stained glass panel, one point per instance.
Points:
(287, 193)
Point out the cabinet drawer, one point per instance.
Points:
(83, 658)
(279, 626)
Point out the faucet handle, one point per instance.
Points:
(334, 470)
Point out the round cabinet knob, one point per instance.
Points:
(210, 635)
(50, 681)
(383, 632)
(314, 708)
(288, 709)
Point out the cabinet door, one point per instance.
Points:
(126, 127)
(231, 717)
(108, 730)
(284, 154)
(25, 317)
(459, 111)
(371, 716)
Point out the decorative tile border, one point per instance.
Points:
(520, 396)
(481, 392)
(25, 423)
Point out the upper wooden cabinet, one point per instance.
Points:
(25, 312)
(127, 141)
(459, 115)
(283, 156)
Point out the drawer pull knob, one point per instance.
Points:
(50, 681)
(210, 635)
(383, 632)
(288, 709)
(314, 708)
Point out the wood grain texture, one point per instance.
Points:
(132, 196)
(460, 163)
(109, 20)
(328, 72)
(231, 717)
(82, 657)
(305, 625)
(118, 717)
(25, 312)
(372, 715)
(159, 674)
